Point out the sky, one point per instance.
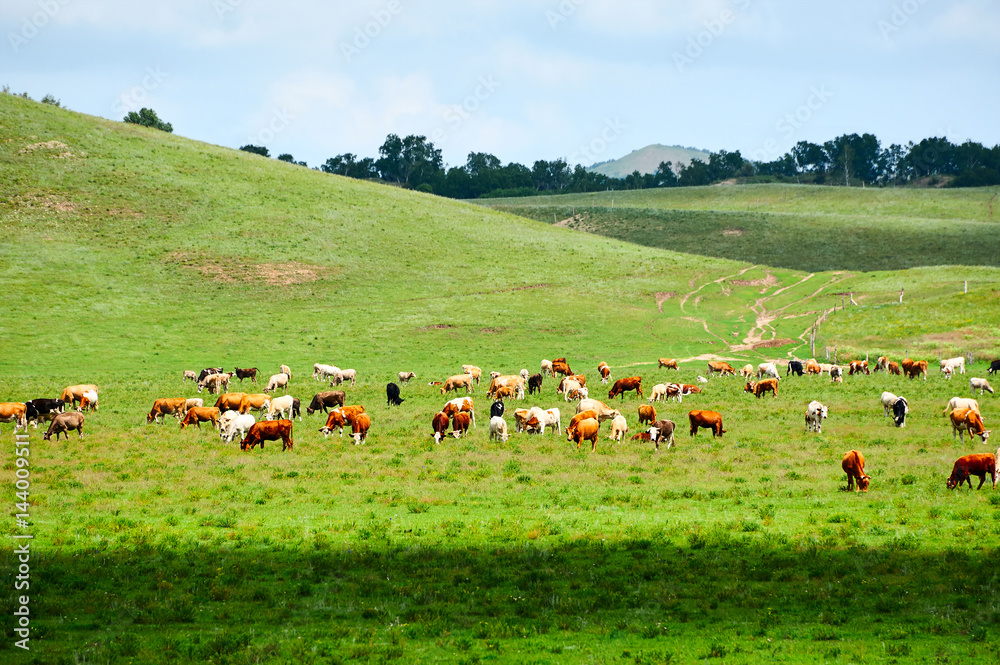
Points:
(581, 80)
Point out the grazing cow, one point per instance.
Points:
(460, 424)
(659, 392)
(246, 373)
(208, 371)
(392, 397)
(586, 430)
(277, 381)
(461, 404)
(229, 401)
(747, 371)
(346, 375)
(708, 419)
(238, 426)
(721, 367)
(440, 425)
(858, 367)
(74, 394)
(192, 402)
(888, 399)
(604, 371)
(268, 430)
(603, 411)
(815, 413)
(669, 363)
(981, 385)
(322, 372)
(89, 401)
(641, 436)
(994, 367)
(496, 409)
(226, 421)
(813, 367)
(953, 364)
(257, 401)
(63, 423)
(505, 392)
(961, 403)
(215, 383)
(551, 418)
(683, 390)
(560, 366)
(279, 406)
(912, 368)
(359, 428)
(853, 465)
(404, 377)
(836, 374)
(769, 370)
(520, 419)
(967, 420)
(453, 383)
(619, 428)
(570, 386)
(497, 381)
(575, 420)
(893, 368)
(546, 368)
(43, 408)
(761, 387)
(199, 415)
(190, 374)
(794, 367)
(947, 371)
(340, 417)
(472, 371)
(327, 399)
(284, 369)
(899, 410)
(535, 384)
(978, 465)
(176, 406)
(14, 412)
(624, 385)
(662, 430)
(882, 364)
(498, 429)
(647, 414)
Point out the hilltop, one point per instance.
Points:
(646, 160)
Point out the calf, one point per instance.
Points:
(498, 429)
(853, 465)
(836, 374)
(662, 430)
(440, 424)
(624, 385)
(404, 377)
(604, 371)
(641, 436)
(199, 415)
(979, 465)
(747, 371)
(392, 397)
(268, 430)
(619, 428)
(460, 424)
(707, 419)
(982, 385)
(535, 384)
(359, 428)
(246, 373)
(327, 399)
(967, 420)
(215, 383)
(815, 413)
(647, 414)
(63, 423)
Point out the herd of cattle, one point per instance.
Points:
(258, 417)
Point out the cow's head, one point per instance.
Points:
(653, 432)
(863, 483)
(952, 482)
(325, 431)
(749, 388)
(985, 434)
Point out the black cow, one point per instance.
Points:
(794, 366)
(994, 367)
(208, 371)
(535, 383)
(326, 400)
(392, 395)
(246, 373)
(496, 409)
(43, 409)
(899, 409)
(296, 411)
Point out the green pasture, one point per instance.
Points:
(129, 256)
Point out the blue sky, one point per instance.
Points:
(585, 80)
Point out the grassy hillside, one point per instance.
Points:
(648, 159)
(129, 255)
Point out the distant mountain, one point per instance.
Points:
(645, 160)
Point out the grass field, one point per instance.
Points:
(144, 254)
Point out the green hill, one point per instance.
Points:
(646, 160)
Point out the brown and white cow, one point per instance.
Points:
(460, 404)
(979, 465)
(560, 366)
(882, 364)
(967, 420)
(73, 394)
(720, 366)
(624, 385)
(14, 412)
(706, 419)
(761, 387)
(269, 430)
(812, 367)
(669, 363)
(340, 417)
(604, 371)
(460, 424)
(662, 430)
(440, 424)
(359, 428)
(175, 406)
(916, 368)
(853, 465)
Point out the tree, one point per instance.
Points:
(256, 149)
(412, 160)
(49, 99)
(148, 118)
(695, 173)
(810, 157)
(665, 175)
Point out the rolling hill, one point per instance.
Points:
(646, 160)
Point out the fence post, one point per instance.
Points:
(966, 290)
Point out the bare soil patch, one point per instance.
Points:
(662, 297)
(732, 232)
(48, 145)
(44, 201)
(769, 280)
(237, 270)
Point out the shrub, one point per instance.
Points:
(148, 118)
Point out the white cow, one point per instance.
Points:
(225, 420)
(404, 377)
(524, 375)
(953, 364)
(321, 372)
(280, 405)
(961, 403)
(815, 413)
(191, 403)
(747, 371)
(546, 368)
(888, 399)
(980, 385)
(658, 393)
(768, 369)
(346, 375)
(568, 386)
(619, 428)
(239, 427)
(277, 381)
(498, 429)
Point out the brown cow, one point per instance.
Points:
(721, 367)
(586, 430)
(559, 366)
(246, 373)
(460, 404)
(201, 414)
(577, 419)
(812, 367)
(604, 371)
(268, 430)
(440, 425)
(641, 436)
(14, 412)
(894, 367)
(761, 387)
(669, 363)
(664, 432)
(73, 394)
(460, 424)
(456, 382)
(340, 417)
(327, 399)
(647, 414)
(916, 368)
(967, 420)
(257, 401)
(229, 402)
(63, 423)
(882, 364)
(505, 392)
(973, 465)
(359, 428)
(708, 419)
(167, 405)
(853, 465)
(624, 385)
